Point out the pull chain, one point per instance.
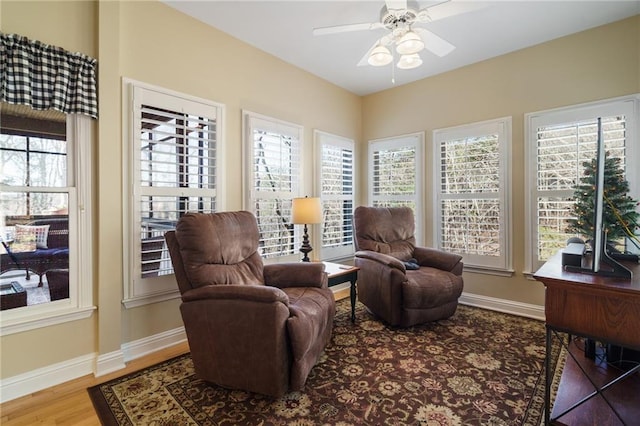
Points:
(393, 68)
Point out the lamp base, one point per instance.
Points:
(306, 247)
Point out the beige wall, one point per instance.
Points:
(150, 42)
(69, 24)
(597, 64)
(153, 50)
(72, 26)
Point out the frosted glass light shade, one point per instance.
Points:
(409, 44)
(380, 56)
(306, 211)
(408, 62)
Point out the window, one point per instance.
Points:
(45, 158)
(273, 179)
(336, 174)
(558, 142)
(472, 212)
(395, 174)
(174, 157)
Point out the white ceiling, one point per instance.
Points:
(284, 29)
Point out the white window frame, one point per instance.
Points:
(410, 140)
(321, 140)
(140, 291)
(79, 305)
(502, 128)
(629, 106)
(250, 122)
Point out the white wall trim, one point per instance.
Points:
(98, 365)
(108, 363)
(134, 302)
(148, 345)
(504, 305)
(45, 377)
(50, 314)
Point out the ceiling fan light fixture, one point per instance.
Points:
(408, 62)
(409, 43)
(380, 56)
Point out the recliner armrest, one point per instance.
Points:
(294, 274)
(427, 256)
(253, 293)
(385, 259)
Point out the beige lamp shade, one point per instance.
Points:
(409, 44)
(380, 56)
(306, 211)
(408, 62)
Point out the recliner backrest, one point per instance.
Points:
(220, 248)
(388, 230)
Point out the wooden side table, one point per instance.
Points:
(605, 309)
(339, 274)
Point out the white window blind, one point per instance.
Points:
(561, 151)
(471, 199)
(559, 142)
(174, 167)
(274, 180)
(177, 174)
(336, 179)
(395, 174)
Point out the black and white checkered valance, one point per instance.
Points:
(46, 77)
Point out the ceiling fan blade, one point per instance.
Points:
(447, 9)
(346, 28)
(436, 44)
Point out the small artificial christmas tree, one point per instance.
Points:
(620, 217)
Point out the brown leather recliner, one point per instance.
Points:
(400, 296)
(259, 328)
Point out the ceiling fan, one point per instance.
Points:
(400, 18)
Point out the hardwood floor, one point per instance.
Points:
(69, 403)
(574, 386)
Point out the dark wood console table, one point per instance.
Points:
(605, 309)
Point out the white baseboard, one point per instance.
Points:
(45, 377)
(147, 345)
(504, 305)
(98, 365)
(109, 362)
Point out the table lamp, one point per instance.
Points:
(306, 211)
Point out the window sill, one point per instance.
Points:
(340, 259)
(134, 302)
(20, 323)
(489, 271)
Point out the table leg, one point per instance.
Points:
(353, 300)
(547, 377)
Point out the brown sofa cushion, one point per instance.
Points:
(417, 295)
(392, 234)
(220, 249)
(299, 274)
(309, 326)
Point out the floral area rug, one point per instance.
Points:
(478, 367)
